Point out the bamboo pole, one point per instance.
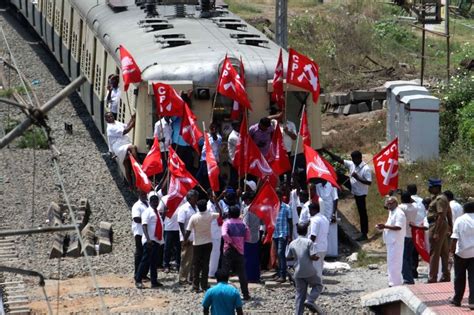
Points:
(297, 142)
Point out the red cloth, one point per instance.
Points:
(304, 130)
(153, 164)
(236, 108)
(181, 181)
(130, 71)
(278, 95)
(189, 129)
(167, 100)
(386, 168)
(315, 167)
(159, 227)
(212, 167)
(418, 236)
(230, 84)
(277, 156)
(303, 72)
(266, 205)
(141, 179)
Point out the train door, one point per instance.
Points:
(87, 66)
(99, 84)
(66, 37)
(31, 12)
(57, 29)
(76, 44)
(49, 22)
(39, 17)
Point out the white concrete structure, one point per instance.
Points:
(400, 126)
(392, 105)
(421, 129)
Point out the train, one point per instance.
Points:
(182, 43)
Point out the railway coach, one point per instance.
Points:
(179, 42)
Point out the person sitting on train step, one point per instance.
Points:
(183, 149)
(232, 141)
(163, 132)
(215, 140)
(261, 134)
(113, 94)
(288, 128)
(119, 143)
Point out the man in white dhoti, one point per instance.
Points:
(394, 231)
(328, 195)
(119, 143)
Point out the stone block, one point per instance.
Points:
(362, 107)
(58, 246)
(384, 104)
(83, 213)
(350, 109)
(74, 249)
(339, 98)
(376, 105)
(88, 238)
(54, 213)
(365, 95)
(105, 237)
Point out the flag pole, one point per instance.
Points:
(297, 142)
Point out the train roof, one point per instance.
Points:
(185, 48)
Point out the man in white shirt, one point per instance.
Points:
(172, 241)
(420, 219)
(359, 181)
(232, 141)
(152, 239)
(319, 229)
(462, 248)
(137, 210)
(185, 212)
(409, 208)
(112, 99)
(456, 208)
(287, 128)
(216, 236)
(328, 195)
(163, 132)
(200, 224)
(394, 231)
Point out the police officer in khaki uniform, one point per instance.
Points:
(440, 228)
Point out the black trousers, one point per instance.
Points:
(201, 256)
(149, 262)
(172, 247)
(235, 262)
(362, 209)
(461, 265)
(138, 253)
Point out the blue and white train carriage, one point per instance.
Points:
(184, 46)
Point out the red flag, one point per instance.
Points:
(212, 168)
(141, 180)
(236, 109)
(230, 84)
(304, 130)
(418, 236)
(278, 95)
(386, 168)
(316, 168)
(330, 168)
(266, 205)
(249, 159)
(153, 164)
(130, 71)
(303, 72)
(277, 156)
(167, 100)
(189, 129)
(181, 181)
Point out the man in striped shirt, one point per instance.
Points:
(282, 235)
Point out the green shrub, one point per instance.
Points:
(466, 124)
(33, 138)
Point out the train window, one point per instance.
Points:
(57, 17)
(49, 11)
(222, 108)
(65, 31)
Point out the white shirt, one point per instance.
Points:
(463, 231)
(420, 209)
(185, 212)
(287, 141)
(305, 215)
(294, 204)
(200, 224)
(216, 231)
(114, 100)
(456, 209)
(171, 224)
(396, 217)
(363, 170)
(137, 210)
(232, 141)
(215, 145)
(163, 130)
(115, 135)
(150, 219)
(410, 211)
(319, 227)
(328, 194)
